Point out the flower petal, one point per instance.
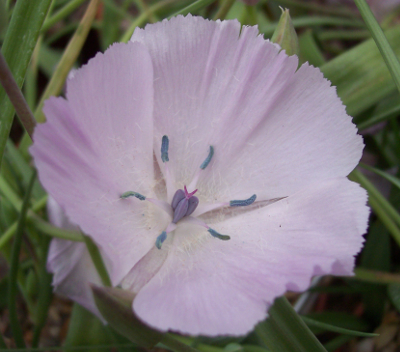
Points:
(213, 287)
(73, 271)
(70, 263)
(98, 144)
(275, 130)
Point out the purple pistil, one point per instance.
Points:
(183, 204)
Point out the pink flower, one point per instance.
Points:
(242, 123)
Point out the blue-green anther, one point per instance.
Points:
(164, 149)
(160, 239)
(218, 235)
(132, 194)
(243, 203)
(208, 159)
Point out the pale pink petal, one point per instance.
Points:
(214, 287)
(275, 130)
(73, 271)
(70, 263)
(98, 144)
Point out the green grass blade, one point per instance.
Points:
(20, 40)
(309, 50)
(63, 68)
(383, 209)
(69, 57)
(195, 6)
(360, 74)
(7, 235)
(333, 328)
(285, 331)
(45, 293)
(381, 41)
(53, 231)
(223, 10)
(141, 20)
(62, 13)
(313, 21)
(386, 109)
(3, 17)
(392, 179)
(12, 284)
(376, 277)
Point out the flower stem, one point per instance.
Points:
(12, 284)
(16, 97)
(97, 261)
(223, 10)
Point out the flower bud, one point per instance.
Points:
(285, 34)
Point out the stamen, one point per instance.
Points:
(243, 203)
(132, 194)
(202, 167)
(159, 203)
(208, 159)
(160, 239)
(164, 149)
(218, 235)
(196, 221)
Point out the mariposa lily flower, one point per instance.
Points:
(209, 169)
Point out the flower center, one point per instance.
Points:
(183, 203)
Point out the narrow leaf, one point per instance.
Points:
(333, 328)
(376, 277)
(360, 74)
(381, 41)
(392, 179)
(12, 283)
(115, 305)
(285, 331)
(20, 40)
(63, 68)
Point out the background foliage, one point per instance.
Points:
(42, 40)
